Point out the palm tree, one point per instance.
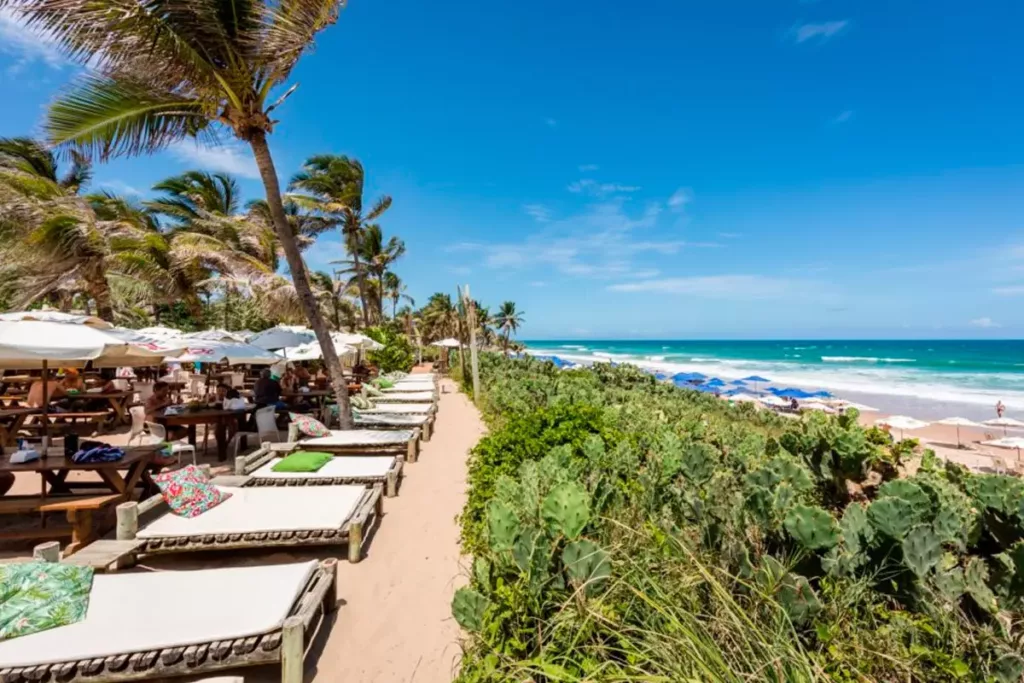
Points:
(378, 256)
(192, 193)
(161, 73)
(50, 238)
(440, 317)
(508, 321)
(395, 290)
(332, 185)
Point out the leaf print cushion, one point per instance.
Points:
(188, 492)
(36, 596)
(308, 425)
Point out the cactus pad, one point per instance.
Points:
(566, 511)
(922, 549)
(812, 527)
(587, 564)
(468, 608)
(503, 526)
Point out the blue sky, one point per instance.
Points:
(663, 169)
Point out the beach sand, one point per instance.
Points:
(394, 618)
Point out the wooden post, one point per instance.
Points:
(293, 643)
(355, 541)
(392, 484)
(47, 552)
(412, 450)
(471, 320)
(127, 521)
(330, 566)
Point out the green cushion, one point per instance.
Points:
(383, 383)
(303, 461)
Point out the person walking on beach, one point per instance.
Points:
(1000, 408)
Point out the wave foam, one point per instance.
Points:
(865, 359)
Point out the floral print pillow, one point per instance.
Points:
(36, 596)
(308, 425)
(188, 492)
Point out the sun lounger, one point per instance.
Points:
(393, 422)
(158, 625)
(405, 397)
(357, 442)
(257, 518)
(257, 469)
(400, 409)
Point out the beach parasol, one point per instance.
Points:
(232, 353)
(357, 341)
(773, 401)
(756, 379)
(281, 337)
(1004, 422)
(1009, 442)
(46, 315)
(958, 422)
(161, 332)
(817, 405)
(901, 422)
(743, 398)
(448, 343)
(738, 383)
(688, 377)
(714, 382)
(216, 335)
(791, 392)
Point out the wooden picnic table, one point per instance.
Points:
(57, 494)
(218, 417)
(118, 401)
(11, 420)
(13, 399)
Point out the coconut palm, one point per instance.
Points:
(508, 320)
(189, 195)
(440, 317)
(332, 186)
(395, 290)
(163, 72)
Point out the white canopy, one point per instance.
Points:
(357, 341)
(772, 400)
(901, 422)
(817, 405)
(217, 335)
(1003, 422)
(281, 337)
(448, 343)
(312, 351)
(232, 353)
(56, 317)
(958, 422)
(28, 343)
(742, 398)
(1009, 442)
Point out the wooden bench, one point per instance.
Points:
(79, 511)
(100, 418)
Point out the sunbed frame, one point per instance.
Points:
(246, 465)
(409, 450)
(286, 645)
(427, 427)
(367, 512)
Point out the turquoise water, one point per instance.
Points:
(952, 371)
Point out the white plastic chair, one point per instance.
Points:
(143, 391)
(197, 387)
(138, 431)
(121, 384)
(177, 448)
(266, 428)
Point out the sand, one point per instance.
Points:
(394, 619)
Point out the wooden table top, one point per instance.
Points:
(14, 412)
(201, 416)
(59, 462)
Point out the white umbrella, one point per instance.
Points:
(958, 422)
(1004, 422)
(217, 335)
(817, 405)
(232, 353)
(448, 343)
(846, 405)
(281, 337)
(56, 317)
(901, 422)
(30, 343)
(773, 400)
(357, 341)
(743, 398)
(1009, 442)
(312, 351)
(161, 332)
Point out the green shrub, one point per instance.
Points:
(397, 353)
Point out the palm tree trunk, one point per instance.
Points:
(300, 279)
(360, 282)
(99, 290)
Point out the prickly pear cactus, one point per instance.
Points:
(699, 462)
(908, 491)
(857, 530)
(587, 563)
(950, 583)
(1009, 668)
(503, 525)
(482, 572)
(468, 608)
(798, 598)
(976, 585)
(566, 510)
(812, 527)
(922, 549)
(523, 549)
(893, 517)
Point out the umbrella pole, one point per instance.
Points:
(46, 405)
(958, 444)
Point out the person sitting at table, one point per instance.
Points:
(267, 390)
(289, 381)
(72, 382)
(155, 405)
(54, 391)
(107, 377)
(303, 374)
(219, 395)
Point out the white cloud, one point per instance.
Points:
(713, 286)
(588, 168)
(592, 187)
(984, 322)
(843, 117)
(1015, 290)
(233, 159)
(680, 198)
(550, 122)
(538, 212)
(27, 45)
(820, 32)
(120, 187)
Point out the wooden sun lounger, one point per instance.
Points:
(408, 449)
(383, 421)
(286, 645)
(366, 513)
(247, 465)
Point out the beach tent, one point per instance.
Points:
(232, 353)
(1009, 442)
(901, 422)
(281, 337)
(958, 422)
(56, 317)
(1004, 422)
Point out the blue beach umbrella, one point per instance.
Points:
(738, 383)
(792, 392)
(714, 382)
(688, 377)
(821, 394)
(756, 379)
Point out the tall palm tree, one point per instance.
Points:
(332, 185)
(440, 317)
(373, 262)
(508, 320)
(161, 72)
(395, 290)
(189, 195)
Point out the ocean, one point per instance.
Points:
(928, 379)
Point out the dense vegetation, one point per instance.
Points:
(627, 530)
